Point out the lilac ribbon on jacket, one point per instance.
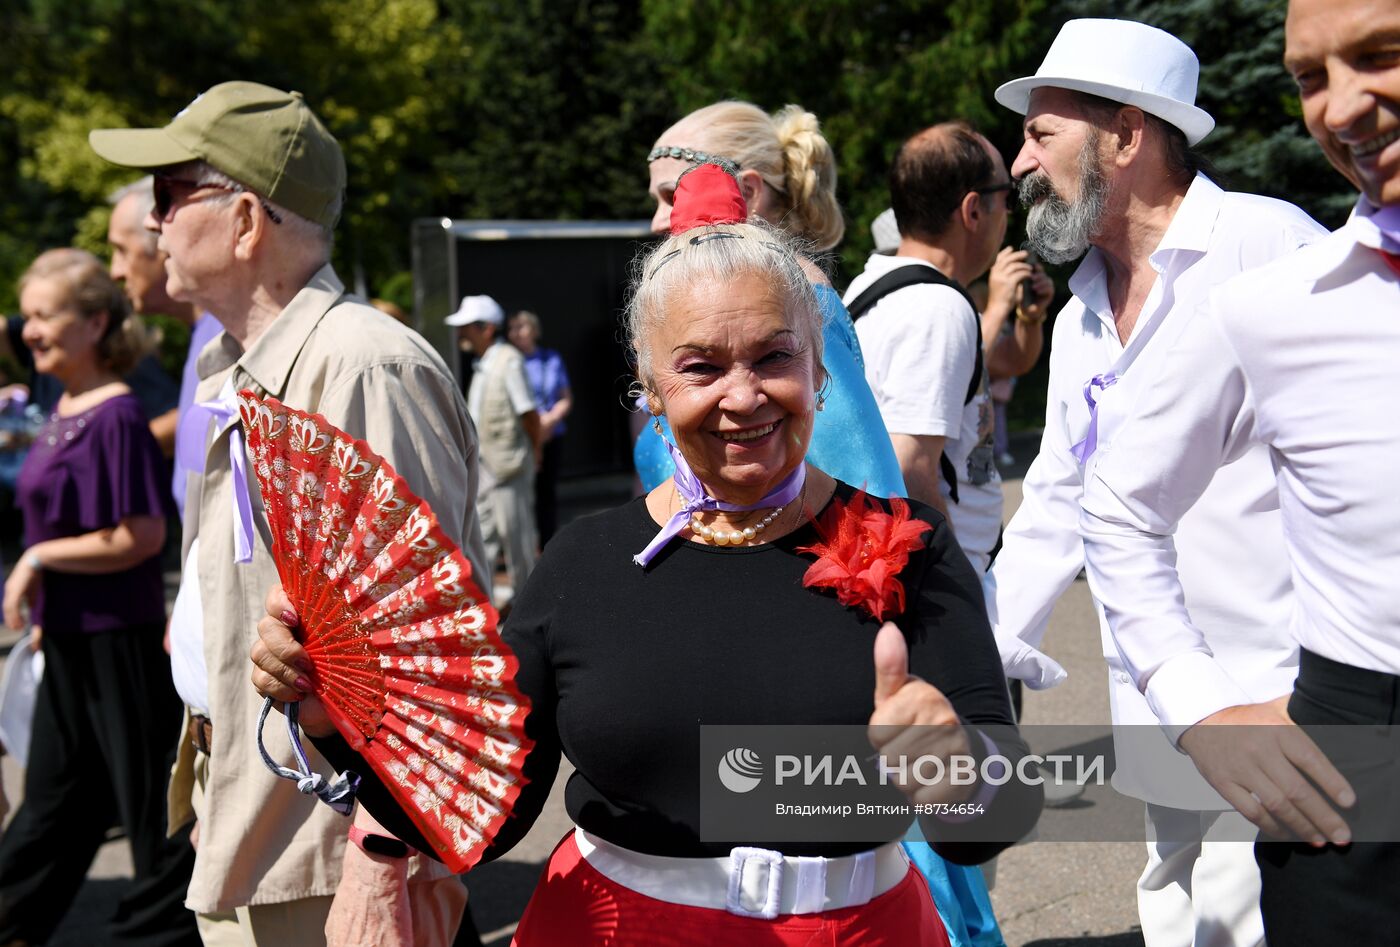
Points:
(694, 498)
(17, 399)
(190, 451)
(1085, 448)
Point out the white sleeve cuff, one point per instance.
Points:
(1033, 667)
(1190, 687)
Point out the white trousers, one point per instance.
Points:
(1197, 891)
(507, 511)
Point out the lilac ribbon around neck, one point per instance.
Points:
(190, 450)
(1085, 448)
(694, 498)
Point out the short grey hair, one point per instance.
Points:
(298, 226)
(144, 190)
(720, 253)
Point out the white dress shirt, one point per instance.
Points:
(1301, 356)
(1212, 236)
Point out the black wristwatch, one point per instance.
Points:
(379, 844)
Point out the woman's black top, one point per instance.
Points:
(624, 664)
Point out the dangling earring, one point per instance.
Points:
(821, 402)
(656, 424)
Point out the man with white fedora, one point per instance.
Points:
(502, 405)
(1300, 356)
(1107, 168)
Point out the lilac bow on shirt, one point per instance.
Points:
(694, 498)
(191, 455)
(1085, 448)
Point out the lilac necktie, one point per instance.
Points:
(1085, 448)
(191, 455)
(694, 498)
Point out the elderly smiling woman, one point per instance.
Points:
(709, 601)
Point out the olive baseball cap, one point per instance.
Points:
(265, 139)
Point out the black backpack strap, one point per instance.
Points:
(916, 275)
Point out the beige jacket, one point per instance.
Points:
(506, 448)
(261, 841)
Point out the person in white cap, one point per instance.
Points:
(508, 422)
(1300, 357)
(1107, 167)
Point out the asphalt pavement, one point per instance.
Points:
(1046, 894)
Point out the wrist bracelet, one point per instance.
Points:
(375, 844)
(1029, 320)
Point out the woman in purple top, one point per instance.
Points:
(95, 497)
(550, 384)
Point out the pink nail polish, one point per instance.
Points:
(289, 618)
(305, 686)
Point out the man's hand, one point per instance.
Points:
(282, 669)
(912, 718)
(1261, 771)
(1004, 282)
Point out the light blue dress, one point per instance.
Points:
(849, 442)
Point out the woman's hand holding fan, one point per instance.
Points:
(402, 644)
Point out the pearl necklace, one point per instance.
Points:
(723, 537)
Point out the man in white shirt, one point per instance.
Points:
(503, 408)
(1107, 167)
(1299, 356)
(922, 339)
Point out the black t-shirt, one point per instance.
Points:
(624, 664)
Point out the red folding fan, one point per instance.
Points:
(404, 644)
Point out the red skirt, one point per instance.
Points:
(574, 904)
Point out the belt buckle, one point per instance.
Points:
(734, 897)
(198, 723)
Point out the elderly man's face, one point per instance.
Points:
(136, 264)
(1345, 57)
(1061, 175)
(198, 236)
(736, 381)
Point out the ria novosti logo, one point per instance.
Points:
(740, 770)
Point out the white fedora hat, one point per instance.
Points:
(1127, 62)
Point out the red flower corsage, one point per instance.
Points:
(862, 552)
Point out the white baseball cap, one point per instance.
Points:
(477, 309)
(1126, 62)
(885, 229)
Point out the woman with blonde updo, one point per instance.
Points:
(95, 494)
(787, 177)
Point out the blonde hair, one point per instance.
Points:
(788, 151)
(719, 254)
(91, 291)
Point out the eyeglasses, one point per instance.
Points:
(1006, 186)
(167, 190)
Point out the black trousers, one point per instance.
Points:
(1345, 895)
(106, 720)
(547, 489)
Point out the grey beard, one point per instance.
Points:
(1057, 230)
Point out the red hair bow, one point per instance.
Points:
(705, 195)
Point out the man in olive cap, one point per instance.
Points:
(248, 188)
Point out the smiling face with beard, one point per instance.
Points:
(1060, 229)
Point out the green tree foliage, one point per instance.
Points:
(535, 109)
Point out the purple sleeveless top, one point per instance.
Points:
(89, 472)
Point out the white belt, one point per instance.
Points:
(751, 882)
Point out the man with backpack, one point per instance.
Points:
(920, 331)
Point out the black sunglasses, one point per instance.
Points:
(167, 190)
(1006, 186)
